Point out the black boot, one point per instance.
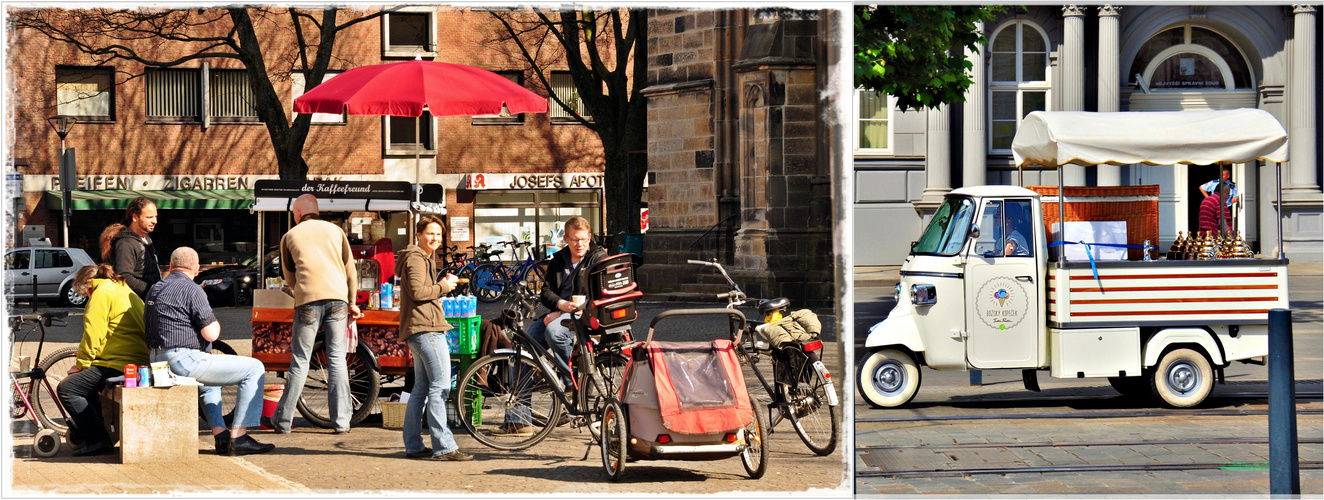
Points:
(222, 442)
(246, 445)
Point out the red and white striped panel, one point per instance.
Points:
(1214, 294)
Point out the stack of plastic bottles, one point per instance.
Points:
(465, 306)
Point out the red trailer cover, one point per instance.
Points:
(700, 386)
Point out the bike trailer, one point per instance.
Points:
(686, 401)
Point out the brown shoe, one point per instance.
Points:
(512, 430)
(454, 456)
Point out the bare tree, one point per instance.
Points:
(605, 53)
(142, 36)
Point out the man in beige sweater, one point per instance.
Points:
(318, 266)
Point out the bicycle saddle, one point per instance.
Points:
(769, 305)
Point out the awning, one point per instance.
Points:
(118, 199)
(1054, 138)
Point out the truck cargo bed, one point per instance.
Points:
(1165, 293)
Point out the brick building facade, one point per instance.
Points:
(508, 165)
(741, 147)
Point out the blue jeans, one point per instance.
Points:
(432, 384)
(214, 371)
(334, 315)
(559, 340)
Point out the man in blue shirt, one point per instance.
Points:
(180, 330)
(1212, 187)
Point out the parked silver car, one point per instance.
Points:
(53, 268)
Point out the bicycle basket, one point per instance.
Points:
(612, 292)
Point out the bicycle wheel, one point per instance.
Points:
(49, 410)
(507, 386)
(612, 442)
(809, 412)
(488, 282)
(755, 456)
(533, 279)
(364, 383)
(611, 365)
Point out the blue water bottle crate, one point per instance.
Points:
(464, 337)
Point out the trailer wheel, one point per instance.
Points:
(888, 378)
(1183, 378)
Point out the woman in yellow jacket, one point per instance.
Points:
(113, 336)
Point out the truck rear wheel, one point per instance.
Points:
(888, 378)
(1183, 378)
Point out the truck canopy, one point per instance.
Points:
(1056, 138)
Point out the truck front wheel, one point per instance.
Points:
(1183, 378)
(888, 378)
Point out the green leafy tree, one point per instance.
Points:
(140, 35)
(916, 52)
(604, 51)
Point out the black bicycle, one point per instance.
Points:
(802, 390)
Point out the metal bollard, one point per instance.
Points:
(1283, 459)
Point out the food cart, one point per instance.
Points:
(378, 217)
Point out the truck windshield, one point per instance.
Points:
(946, 232)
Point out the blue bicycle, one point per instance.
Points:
(478, 275)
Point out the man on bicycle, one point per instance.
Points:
(566, 278)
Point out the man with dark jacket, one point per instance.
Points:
(567, 276)
(132, 253)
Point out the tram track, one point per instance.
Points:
(1310, 465)
(1141, 413)
(1074, 444)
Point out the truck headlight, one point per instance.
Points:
(211, 282)
(923, 294)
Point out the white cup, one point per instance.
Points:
(578, 300)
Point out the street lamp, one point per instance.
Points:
(68, 178)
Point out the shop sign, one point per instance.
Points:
(564, 180)
(160, 182)
(13, 184)
(370, 190)
(643, 220)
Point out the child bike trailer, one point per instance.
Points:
(684, 401)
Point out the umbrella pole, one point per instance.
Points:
(418, 176)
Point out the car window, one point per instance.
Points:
(17, 259)
(51, 259)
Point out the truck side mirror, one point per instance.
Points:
(974, 231)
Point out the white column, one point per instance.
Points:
(1303, 134)
(937, 154)
(974, 158)
(1072, 87)
(1109, 175)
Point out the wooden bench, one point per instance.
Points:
(153, 424)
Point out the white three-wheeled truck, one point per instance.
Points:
(968, 299)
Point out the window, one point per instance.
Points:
(401, 139)
(53, 259)
(1018, 80)
(17, 259)
(229, 97)
(173, 96)
(564, 87)
(409, 32)
(297, 83)
(873, 116)
(532, 216)
(1191, 58)
(1005, 230)
(86, 93)
(945, 234)
(514, 76)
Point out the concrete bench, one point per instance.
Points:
(153, 424)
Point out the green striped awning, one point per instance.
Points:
(118, 199)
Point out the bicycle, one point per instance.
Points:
(478, 274)
(29, 400)
(528, 274)
(526, 380)
(801, 384)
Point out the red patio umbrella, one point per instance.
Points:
(405, 88)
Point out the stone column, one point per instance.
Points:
(1303, 133)
(1072, 88)
(975, 138)
(1109, 175)
(937, 160)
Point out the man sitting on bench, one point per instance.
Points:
(180, 330)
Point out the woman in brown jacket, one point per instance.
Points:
(423, 327)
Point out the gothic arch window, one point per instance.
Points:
(1018, 79)
(1189, 57)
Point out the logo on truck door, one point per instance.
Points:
(1002, 303)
